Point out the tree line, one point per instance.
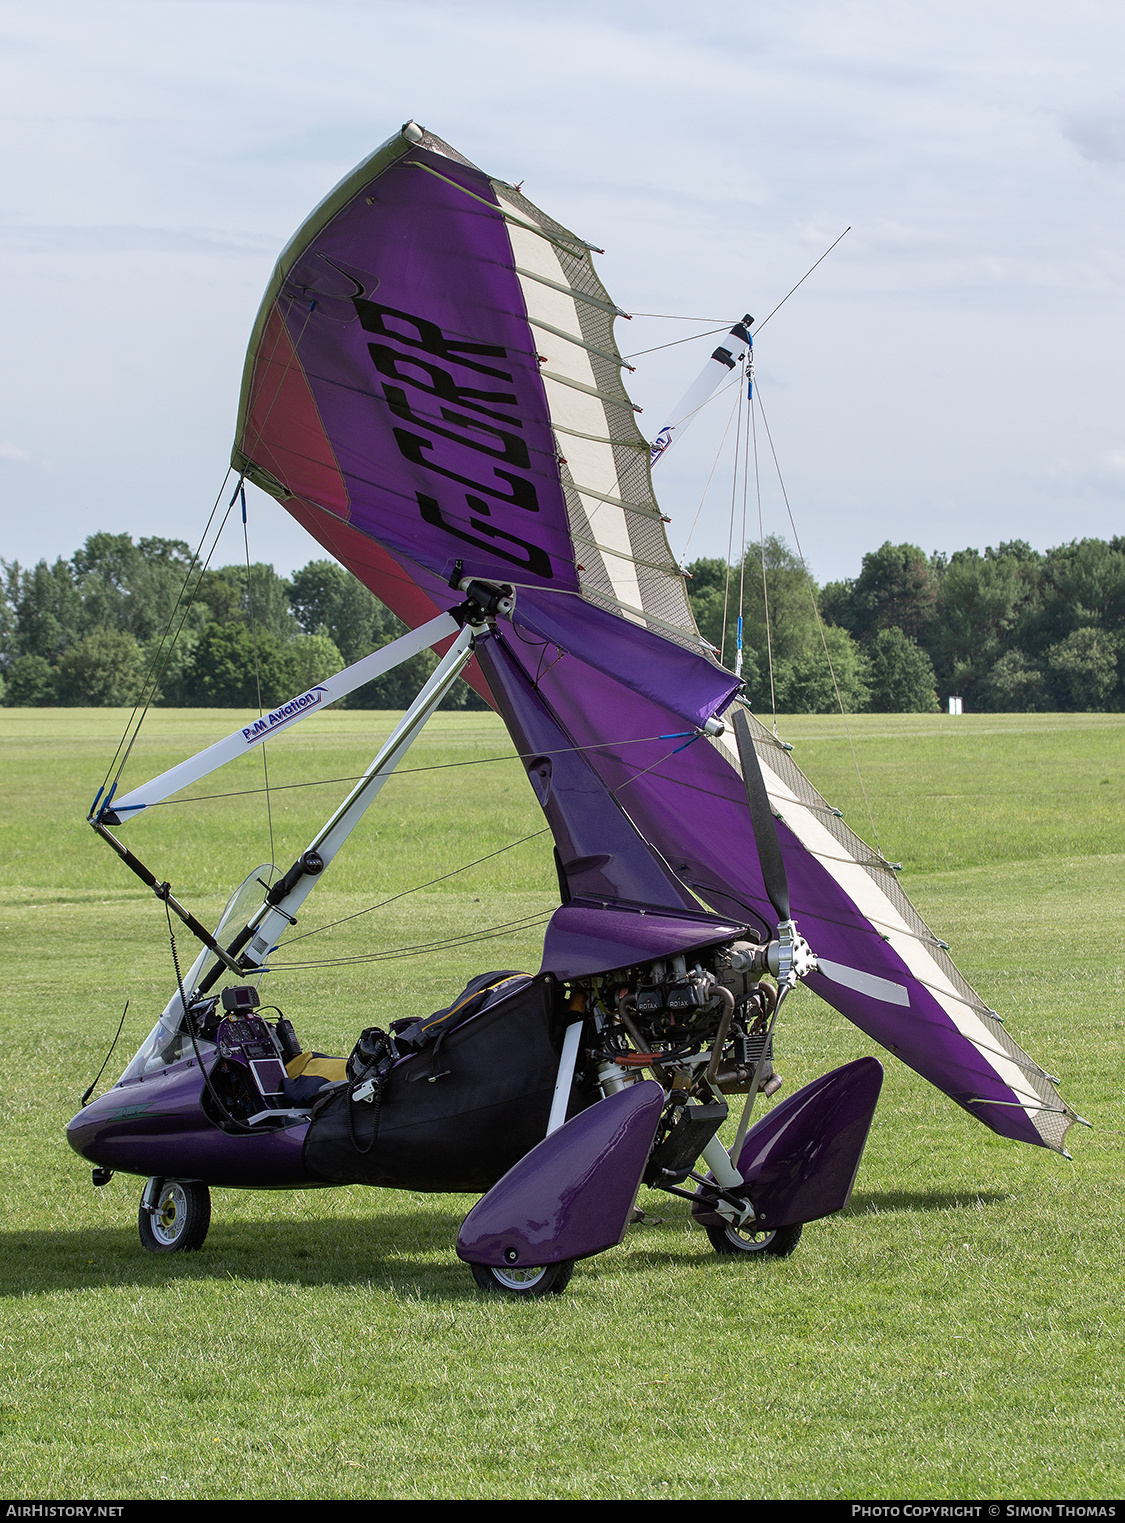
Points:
(90, 631)
(1012, 629)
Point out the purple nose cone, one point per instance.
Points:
(572, 1195)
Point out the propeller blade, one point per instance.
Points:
(761, 817)
(864, 983)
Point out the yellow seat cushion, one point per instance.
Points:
(314, 1065)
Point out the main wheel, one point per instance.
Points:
(778, 1244)
(179, 1221)
(543, 1280)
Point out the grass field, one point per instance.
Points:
(957, 1333)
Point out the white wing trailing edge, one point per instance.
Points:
(624, 563)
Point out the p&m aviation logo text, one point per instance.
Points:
(284, 714)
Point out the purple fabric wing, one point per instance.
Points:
(433, 380)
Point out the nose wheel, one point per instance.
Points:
(750, 1239)
(542, 1280)
(174, 1216)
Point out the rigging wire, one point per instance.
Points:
(257, 667)
(476, 761)
(677, 317)
(730, 531)
(659, 762)
(417, 888)
(108, 1055)
(820, 622)
(636, 354)
(153, 687)
(171, 619)
(283, 328)
(759, 326)
(765, 579)
(748, 374)
(490, 933)
(710, 478)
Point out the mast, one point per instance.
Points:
(726, 357)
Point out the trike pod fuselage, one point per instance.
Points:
(156, 1126)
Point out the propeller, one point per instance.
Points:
(761, 818)
(792, 951)
(795, 958)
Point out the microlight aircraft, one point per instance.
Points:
(433, 390)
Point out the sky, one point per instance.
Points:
(950, 375)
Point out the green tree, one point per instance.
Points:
(261, 598)
(897, 588)
(1082, 670)
(31, 683)
(169, 663)
(1015, 685)
(136, 587)
(1083, 587)
(105, 668)
(311, 659)
(706, 584)
(824, 679)
(327, 600)
(836, 603)
(45, 610)
(984, 604)
(221, 595)
(9, 626)
(772, 577)
(901, 675)
(104, 570)
(228, 664)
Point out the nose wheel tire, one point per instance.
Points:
(778, 1244)
(178, 1220)
(542, 1280)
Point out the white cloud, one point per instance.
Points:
(1098, 135)
(59, 239)
(965, 336)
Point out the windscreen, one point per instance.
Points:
(168, 1041)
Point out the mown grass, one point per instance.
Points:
(955, 1333)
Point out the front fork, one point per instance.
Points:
(611, 1077)
(727, 1177)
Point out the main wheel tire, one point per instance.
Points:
(778, 1244)
(542, 1280)
(179, 1221)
